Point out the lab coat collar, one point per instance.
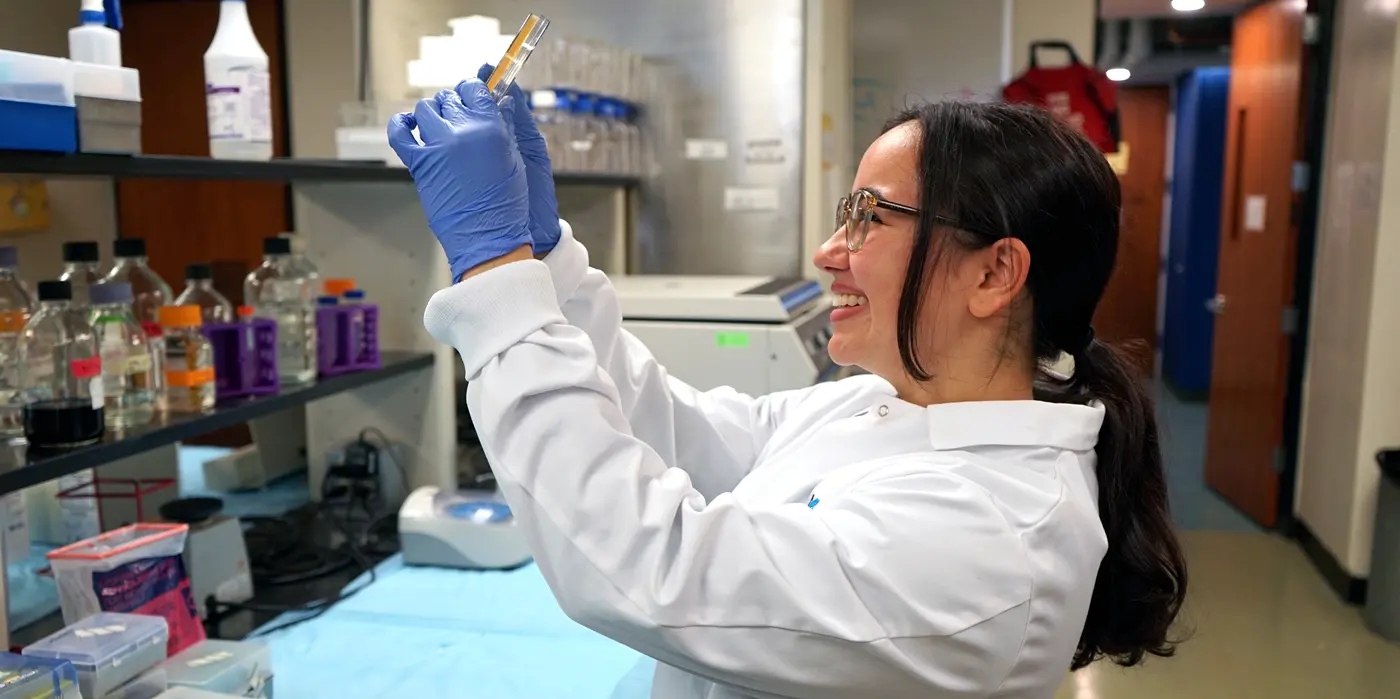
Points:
(1028, 423)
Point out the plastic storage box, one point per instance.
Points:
(23, 677)
(189, 693)
(146, 686)
(36, 103)
(108, 102)
(223, 667)
(341, 347)
(107, 649)
(245, 357)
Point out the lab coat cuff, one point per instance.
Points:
(484, 315)
(568, 263)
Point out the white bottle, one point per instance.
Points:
(238, 89)
(92, 41)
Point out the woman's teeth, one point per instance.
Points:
(840, 300)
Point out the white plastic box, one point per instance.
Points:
(36, 103)
(241, 669)
(108, 100)
(107, 649)
(37, 678)
(27, 77)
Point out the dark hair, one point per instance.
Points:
(1003, 171)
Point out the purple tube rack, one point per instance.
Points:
(335, 351)
(245, 358)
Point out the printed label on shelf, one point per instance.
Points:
(85, 368)
(764, 151)
(189, 379)
(706, 149)
(750, 199)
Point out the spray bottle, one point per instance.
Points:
(238, 89)
(96, 39)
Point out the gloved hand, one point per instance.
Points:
(469, 174)
(544, 206)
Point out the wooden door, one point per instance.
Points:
(183, 221)
(1128, 311)
(1258, 239)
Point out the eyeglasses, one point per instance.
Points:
(855, 211)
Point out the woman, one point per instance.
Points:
(956, 524)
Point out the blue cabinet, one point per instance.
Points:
(1193, 246)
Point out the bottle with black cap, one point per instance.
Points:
(214, 307)
(81, 261)
(62, 373)
(281, 291)
(148, 291)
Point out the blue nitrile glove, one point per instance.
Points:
(544, 206)
(469, 174)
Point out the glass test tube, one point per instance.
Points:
(520, 49)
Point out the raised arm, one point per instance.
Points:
(909, 580)
(715, 436)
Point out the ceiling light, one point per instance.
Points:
(1188, 5)
(1118, 75)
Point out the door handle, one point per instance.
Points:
(1216, 304)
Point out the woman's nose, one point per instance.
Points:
(833, 256)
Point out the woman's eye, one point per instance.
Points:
(875, 218)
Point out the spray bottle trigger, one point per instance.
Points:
(113, 10)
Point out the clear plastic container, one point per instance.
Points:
(583, 134)
(189, 361)
(283, 292)
(147, 685)
(214, 307)
(234, 668)
(129, 368)
(107, 649)
(355, 299)
(26, 77)
(81, 262)
(24, 677)
(16, 305)
(61, 373)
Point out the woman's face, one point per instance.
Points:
(867, 283)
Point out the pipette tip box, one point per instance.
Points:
(36, 103)
(236, 668)
(107, 649)
(24, 677)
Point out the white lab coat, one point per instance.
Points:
(822, 543)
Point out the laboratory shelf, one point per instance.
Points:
(192, 168)
(21, 469)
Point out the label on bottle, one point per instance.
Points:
(138, 363)
(85, 368)
(95, 389)
(13, 321)
(239, 105)
(152, 329)
(113, 352)
(189, 378)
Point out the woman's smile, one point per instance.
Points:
(846, 306)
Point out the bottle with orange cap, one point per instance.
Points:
(189, 360)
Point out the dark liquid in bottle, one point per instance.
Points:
(62, 423)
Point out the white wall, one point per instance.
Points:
(81, 209)
(911, 51)
(1042, 20)
(1351, 399)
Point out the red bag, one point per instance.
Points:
(1079, 94)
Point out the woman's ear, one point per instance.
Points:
(1005, 265)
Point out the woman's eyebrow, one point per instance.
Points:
(879, 193)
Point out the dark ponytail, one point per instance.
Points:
(1142, 580)
(1005, 171)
